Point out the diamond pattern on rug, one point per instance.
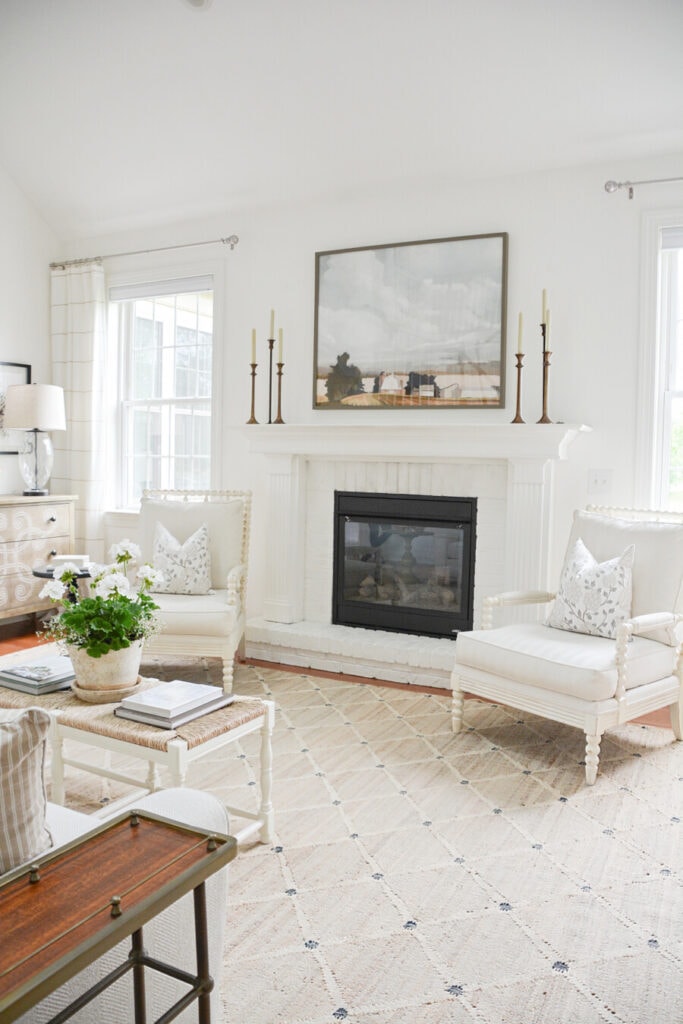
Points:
(358, 908)
(435, 894)
(646, 986)
(487, 947)
(540, 1001)
(389, 971)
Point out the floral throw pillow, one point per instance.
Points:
(594, 597)
(186, 568)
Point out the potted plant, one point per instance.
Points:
(104, 632)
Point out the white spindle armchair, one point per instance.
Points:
(573, 673)
(209, 624)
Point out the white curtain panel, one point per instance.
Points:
(78, 324)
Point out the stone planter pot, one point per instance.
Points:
(108, 678)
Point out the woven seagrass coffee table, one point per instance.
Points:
(96, 725)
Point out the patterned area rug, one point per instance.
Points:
(422, 878)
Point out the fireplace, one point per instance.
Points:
(510, 469)
(404, 562)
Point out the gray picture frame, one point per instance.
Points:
(412, 325)
(11, 441)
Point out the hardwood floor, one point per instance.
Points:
(17, 636)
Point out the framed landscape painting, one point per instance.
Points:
(414, 325)
(11, 373)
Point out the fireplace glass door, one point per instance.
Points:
(404, 562)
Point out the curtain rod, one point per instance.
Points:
(612, 186)
(231, 240)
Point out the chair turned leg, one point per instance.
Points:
(457, 705)
(676, 716)
(228, 670)
(592, 757)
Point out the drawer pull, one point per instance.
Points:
(52, 519)
(53, 552)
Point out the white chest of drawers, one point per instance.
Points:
(32, 531)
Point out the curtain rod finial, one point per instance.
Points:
(232, 241)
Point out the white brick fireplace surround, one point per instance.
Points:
(508, 468)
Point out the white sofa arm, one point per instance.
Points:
(192, 807)
(511, 597)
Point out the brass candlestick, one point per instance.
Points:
(252, 418)
(271, 343)
(278, 418)
(518, 413)
(546, 363)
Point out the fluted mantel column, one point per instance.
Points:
(285, 530)
(529, 511)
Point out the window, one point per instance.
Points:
(165, 350)
(669, 417)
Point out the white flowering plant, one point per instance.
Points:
(115, 614)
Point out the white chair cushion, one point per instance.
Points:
(559, 661)
(593, 597)
(658, 561)
(182, 518)
(197, 614)
(185, 568)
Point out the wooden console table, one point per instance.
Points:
(59, 915)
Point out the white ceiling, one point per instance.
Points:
(117, 114)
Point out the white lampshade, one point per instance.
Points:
(34, 407)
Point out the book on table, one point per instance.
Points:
(171, 704)
(53, 672)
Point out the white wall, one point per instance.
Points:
(566, 234)
(26, 247)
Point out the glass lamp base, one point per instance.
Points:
(35, 462)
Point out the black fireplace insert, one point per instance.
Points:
(404, 562)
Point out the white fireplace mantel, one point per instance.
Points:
(438, 442)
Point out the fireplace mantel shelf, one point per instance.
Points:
(370, 442)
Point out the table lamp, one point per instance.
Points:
(35, 408)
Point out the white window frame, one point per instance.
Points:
(164, 277)
(652, 434)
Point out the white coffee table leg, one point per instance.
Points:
(177, 761)
(266, 808)
(153, 780)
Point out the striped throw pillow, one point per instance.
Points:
(23, 831)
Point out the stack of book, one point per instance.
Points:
(172, 704)
(53, 672)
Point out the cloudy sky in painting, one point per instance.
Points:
(413, 307)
